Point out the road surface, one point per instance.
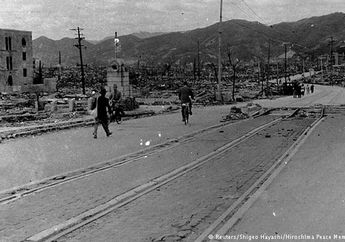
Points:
(177, 211)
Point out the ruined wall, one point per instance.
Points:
(16, 60)
(121, 79)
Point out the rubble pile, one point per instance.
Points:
(235, 114)
(19, 103)
(129, 104)
(205, 97)
(307, 113)
(251, 108)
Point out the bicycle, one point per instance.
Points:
(117, 115)
(185, 113)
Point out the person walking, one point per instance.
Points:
(312, 88)
(307, 89)
(302, 90)
(102, 105)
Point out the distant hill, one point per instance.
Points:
(47, 50)
(248, 40)
(145, 35)
(140, 35)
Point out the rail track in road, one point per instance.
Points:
(19, 192)
(74, 223)
(218, 230)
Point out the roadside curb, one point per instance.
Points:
(39, 129)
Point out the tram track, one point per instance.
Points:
(13, 194)
(89, 216)
(221, 226)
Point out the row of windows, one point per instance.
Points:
(10, 66)
(9, 62)
(8, 43)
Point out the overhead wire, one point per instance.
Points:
(253, 12)
(233, 3)
(272, 28)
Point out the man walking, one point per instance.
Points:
(102, 105)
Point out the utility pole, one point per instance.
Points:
(259, 72)
(59, 66)
(321, 66)
(198, 61)
(59, 76)
(331, 58)
(194, 71)
(277, 72)
(219, 51)
(79, 46)
(268, 66)
(116, 43)
(285, 62)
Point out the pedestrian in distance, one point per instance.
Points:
(103, 108)
(307, 89)
(302, 90)
(312, 88)
(299, 91)
(295, 89)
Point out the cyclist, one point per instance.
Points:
(186, 95)
(115, 103)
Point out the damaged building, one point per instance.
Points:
(16, 60)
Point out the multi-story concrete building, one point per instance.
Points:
(16, 60)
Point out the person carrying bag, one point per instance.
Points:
(101, 110)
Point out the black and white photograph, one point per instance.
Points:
(172, 120)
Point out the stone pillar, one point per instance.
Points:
(54, 106)
(36, 106)
(71, 105)
(89, 103)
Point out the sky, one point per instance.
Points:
(101, 18)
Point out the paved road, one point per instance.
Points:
(306, 201)
(33, 158)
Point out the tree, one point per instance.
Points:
(234, 63)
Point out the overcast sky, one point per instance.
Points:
(101, 18)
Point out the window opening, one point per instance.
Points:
(23, 42)
(10, 81)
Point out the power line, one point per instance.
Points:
(269, 37)
(240, 9)
(265, 23)
(253, 11)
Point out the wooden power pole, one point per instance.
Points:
(79, 46)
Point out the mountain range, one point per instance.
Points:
(247, 41)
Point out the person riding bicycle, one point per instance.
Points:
(186, 95)
(115, 103)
